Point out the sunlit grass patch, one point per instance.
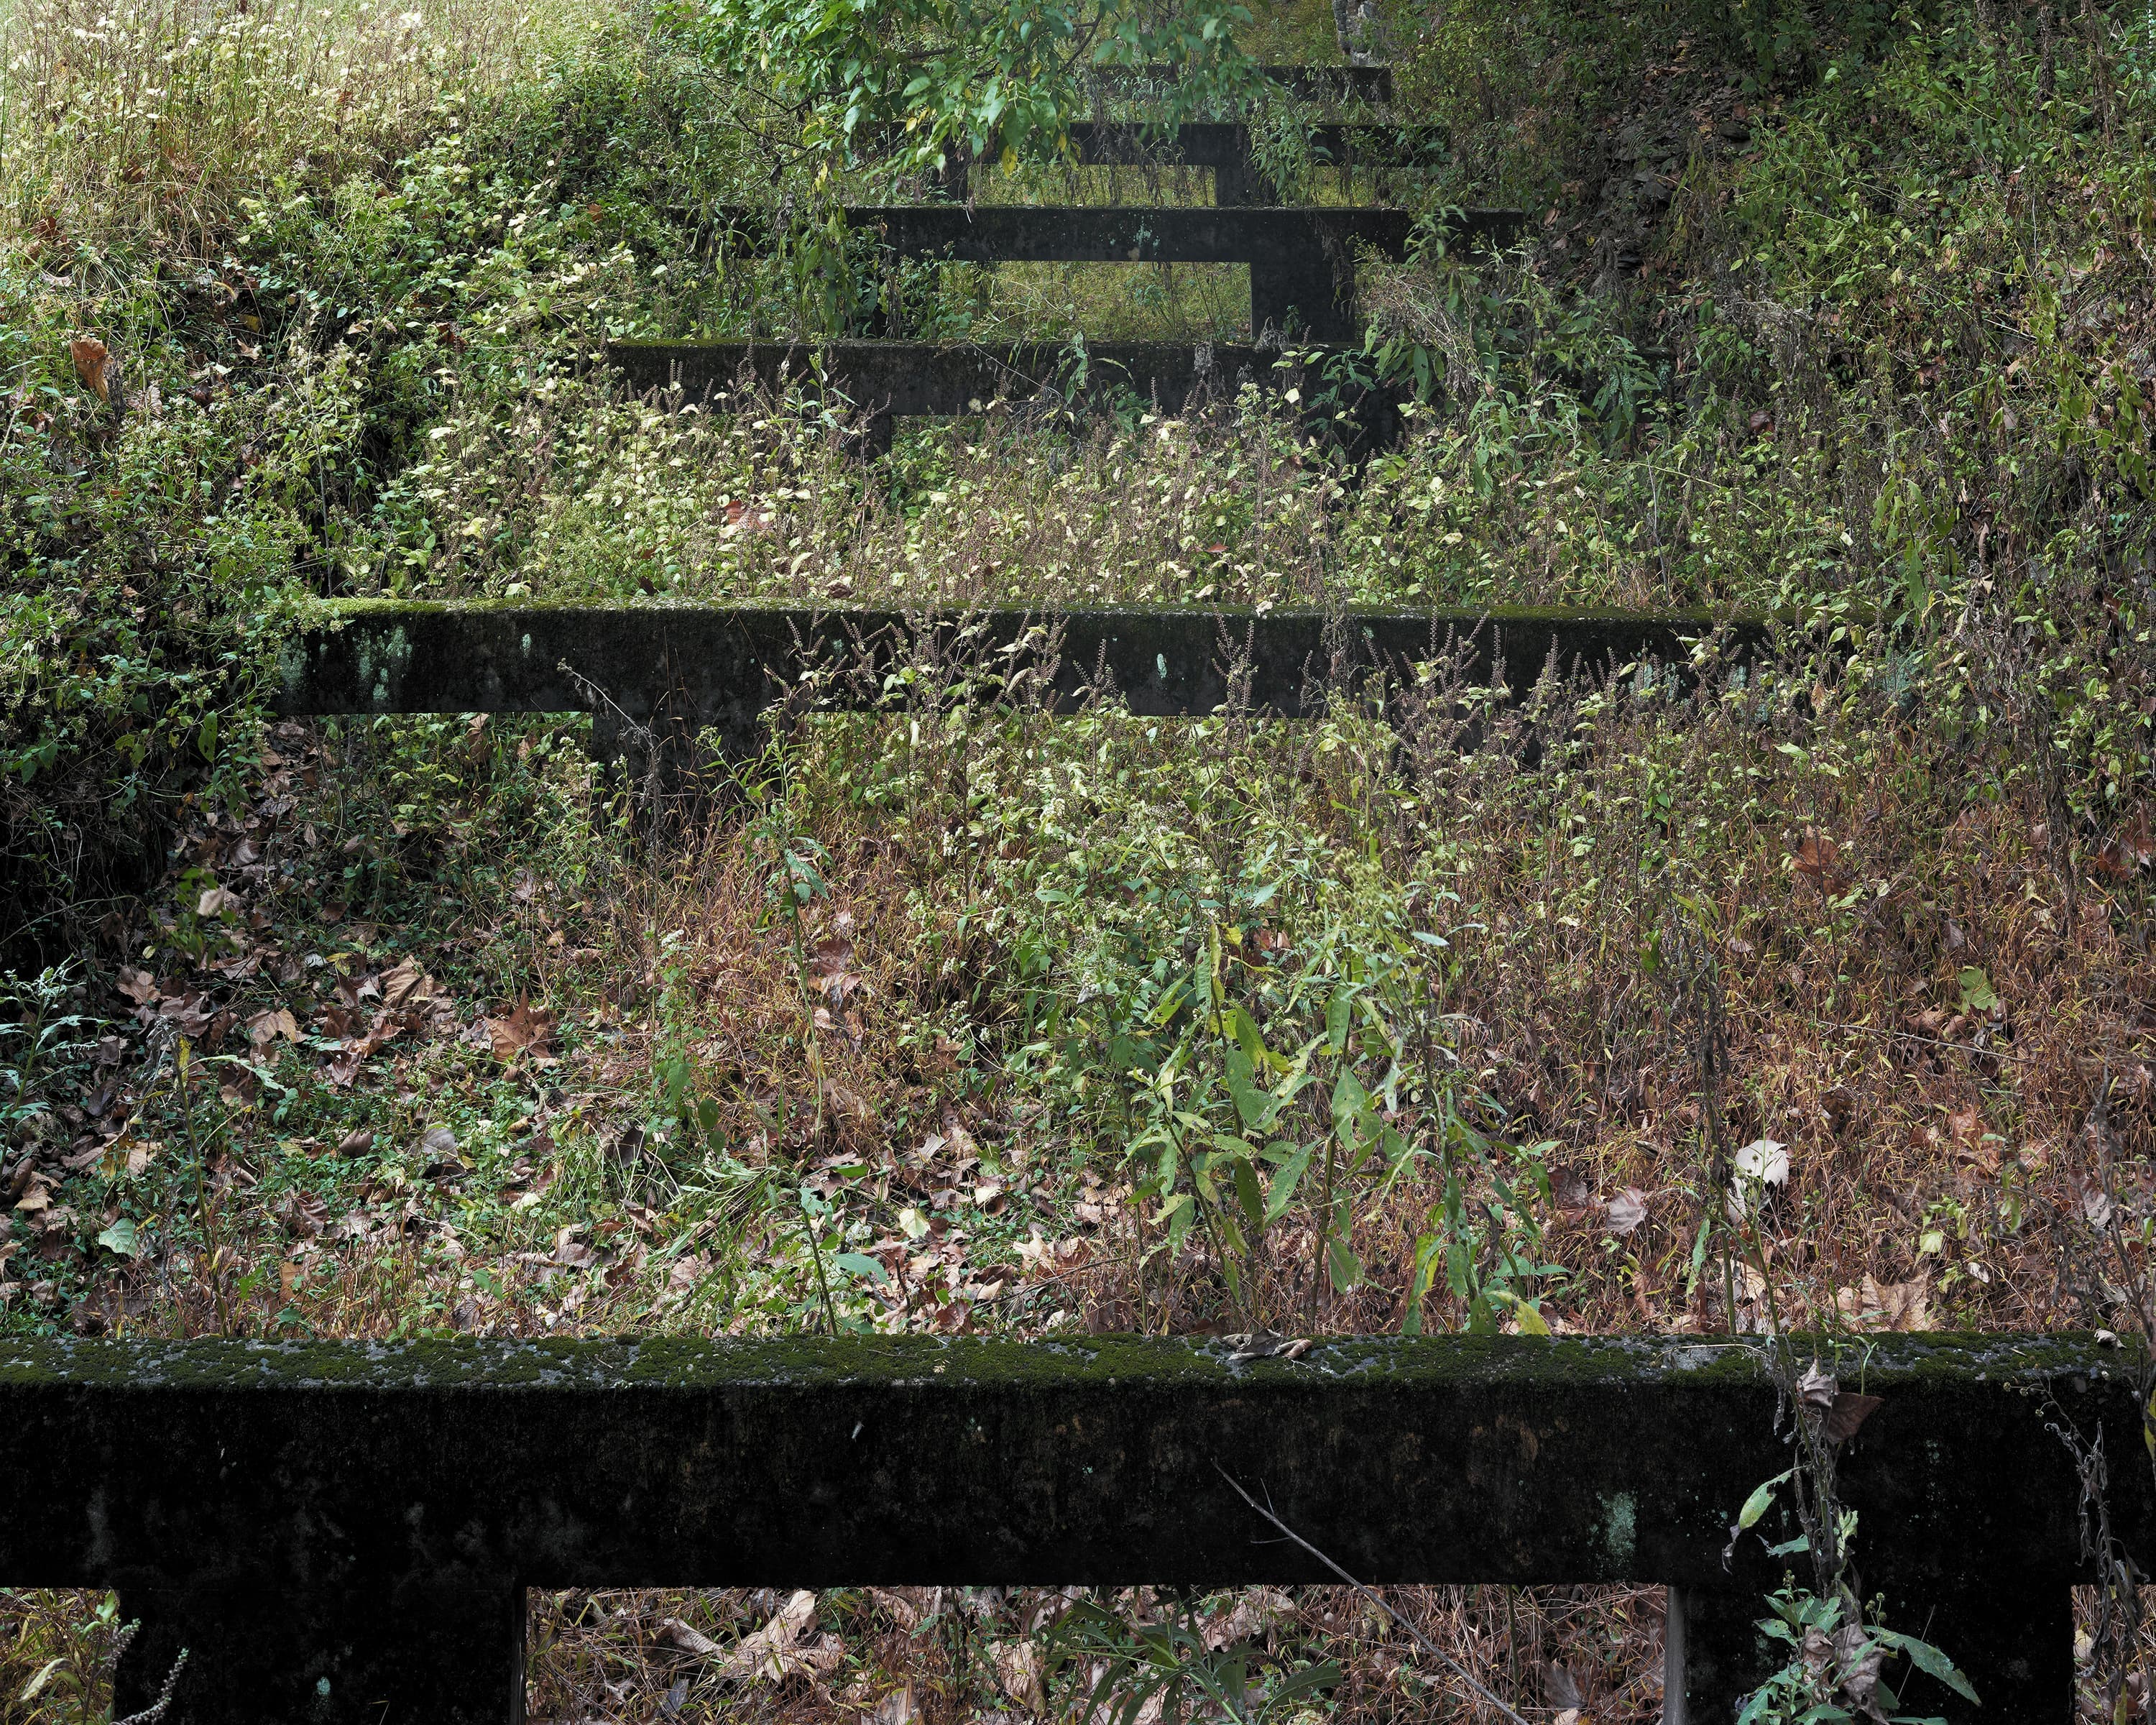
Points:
(153, 117)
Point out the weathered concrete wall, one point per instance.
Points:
(1115, 233)
(301, 1512)
(1301, 260)
(1217, 143)
(901, 378)
(1451, 1459)
(1306, 83)
(721, 665)
(910, 378)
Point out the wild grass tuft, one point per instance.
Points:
(150, 120)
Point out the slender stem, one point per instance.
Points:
(1324, 1224)
(205, 1204)
(816, 1257)
(1421, 1640)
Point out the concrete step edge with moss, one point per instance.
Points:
(343, 1530)
(721, 665)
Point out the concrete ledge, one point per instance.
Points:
(918, 1459)
(1216, 143)
(1301, 258)
(721, 665)
(1074, 234)
(922, 378)
(1306, 83)
(1226, 143)
(360, 1516)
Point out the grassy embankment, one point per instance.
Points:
(458, 1061)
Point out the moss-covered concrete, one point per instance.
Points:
(1218, 144)
(284, 1508)
(1305, 83)
(1301, 258)
(1453, 1362)
(922, 378)
(1144, 234)
(720, 664)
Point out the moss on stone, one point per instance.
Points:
(1437, 1363)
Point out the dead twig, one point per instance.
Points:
(1421, 1640)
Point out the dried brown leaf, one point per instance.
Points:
(93, 364)
(1846, 1413)
(1018, 1673)
(1818, 858)
(527, 1027)
(265, 1028)
(406, 984)
(1887, 1306)
(898, 1707)
(675, 1632)
(1628, 1210)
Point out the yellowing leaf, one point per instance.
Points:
(1756, 1505)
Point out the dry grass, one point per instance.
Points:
(943, 1656)
(153, 118)
(604, 495)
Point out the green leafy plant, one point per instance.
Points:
(1839, 1651)
(931, 77)
(38, 1042)
(1834, 1673)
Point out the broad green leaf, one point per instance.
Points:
(1928, 1660)
(1341, 1264)
(1977, 995)
(1181, 1215)
(1339, 1018)
(120, 1237)
(861, 1265)
(1288, 1176)
(1250, 1194)
(1349, 1100)
(1430, 1251)
(1757, 1504)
